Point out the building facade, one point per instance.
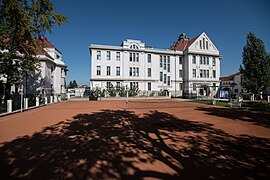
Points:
(48, 79)
(234, 82)
(189, 67)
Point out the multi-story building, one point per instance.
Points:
(53, 68)
(190, 66)
(49, 78)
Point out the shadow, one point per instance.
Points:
(257, 117)
(120, 145)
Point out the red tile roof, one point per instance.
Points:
(45, 43)
(182, 44)
(229, 78)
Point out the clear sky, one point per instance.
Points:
(157, 23)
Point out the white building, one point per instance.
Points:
(53, 68)
(190, 66)
(50, 78)
(234, 82)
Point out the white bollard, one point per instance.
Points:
(45, 100)
(55, 98)
(25, 103)
(51, 99)
(37, 101)
(68, 95)
(252, 97)
(9, 106)
(268, 99)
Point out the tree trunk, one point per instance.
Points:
(8, 91)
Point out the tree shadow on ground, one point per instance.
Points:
(258, 117)
(120, 145)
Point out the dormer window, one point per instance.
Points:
(133, 46)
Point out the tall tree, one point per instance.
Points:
(73, 84)
(22, 22)
(255, 68)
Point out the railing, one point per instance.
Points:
(18, 103)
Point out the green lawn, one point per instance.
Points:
(254, 106)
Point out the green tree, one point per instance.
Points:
(256, 63)
(22, 23)
(73, 84)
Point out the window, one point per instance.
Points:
(235, 90)
(118, 85)
(164, 79)
(134, 84)
(130, 71)
(180, 73)
(201, 73)
(204, 60)
(160, 62)
(108, 55)
(207, 60)
(168, 64)
(149, 58)
(207, 45)
(180, 60)
(201, 60)
(130, 57)
(134, 57)
(98, 70)
(108, 70)
(108, 85)
(117, 71)
(98, 55)
(149, 72)
(137, 57)
(214, 73)
(194, 60)
(164, 62)
(51, 71)
(207, 73)
(117, 56)
(133, 46)
(169, 80)
(214, 61)
(194, 73)
(203, 43)
(181, 86)
(149, 86)
(161, 76)
(134, 71)
(200, 44)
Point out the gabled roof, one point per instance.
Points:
(229, 78)
(45, 43)
(183, 43)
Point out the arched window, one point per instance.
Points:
(133, 46)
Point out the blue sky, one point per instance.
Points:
(157, 23)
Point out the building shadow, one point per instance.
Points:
(120, 145)
(261, 118)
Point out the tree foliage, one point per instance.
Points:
(73, 84)
(256, 65)
(22, 22)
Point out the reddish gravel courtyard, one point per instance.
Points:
(152, 139)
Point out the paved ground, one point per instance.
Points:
(163, 139)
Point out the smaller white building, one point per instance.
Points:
(234, 82)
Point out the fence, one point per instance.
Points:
(18, 103)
